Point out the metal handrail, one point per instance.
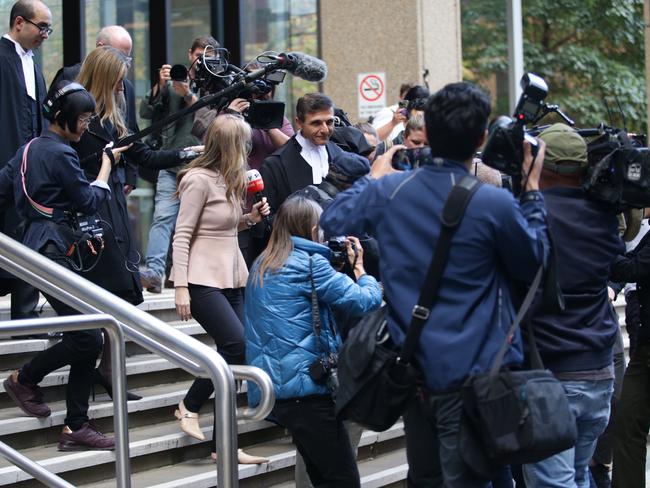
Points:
(152, 334)
(118, 370)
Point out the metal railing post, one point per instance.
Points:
(118, 365)
(151, 333)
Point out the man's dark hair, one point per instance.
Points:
(201, 42)
(456, 118)
(24, 9)
(312, 102)
(404, 88)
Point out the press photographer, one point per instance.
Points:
(48, 188)
(464, 328)
(576, 343)
(294, 280)
(168, 96)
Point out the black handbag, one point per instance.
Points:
(377, 379)
(515, 417)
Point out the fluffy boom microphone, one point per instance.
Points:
(255, 187)
(303, 66)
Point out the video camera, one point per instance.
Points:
(213, 73)
(618, 173)
(504, 149)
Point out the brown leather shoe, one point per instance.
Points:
(87, 438)
(29, 398)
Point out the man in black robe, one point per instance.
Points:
(22, 91)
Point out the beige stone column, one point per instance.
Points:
(398, 37)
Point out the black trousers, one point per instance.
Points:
(79, 349)
(632, 422)
(321, 440)
(220, 313)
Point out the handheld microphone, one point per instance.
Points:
(303, 66)
(255, 187)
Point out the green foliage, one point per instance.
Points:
(586, 50)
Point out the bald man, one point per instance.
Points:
(22, 90)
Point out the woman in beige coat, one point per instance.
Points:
(209, 270)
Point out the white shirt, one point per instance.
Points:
(28, 67)
(384, 116)
(316, 157)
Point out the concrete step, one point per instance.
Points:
(201, 473)
(140, 364)
(22, 346)
(160, 305)
(13, 420)
(144, 441)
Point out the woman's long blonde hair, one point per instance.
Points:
(100, 72)
(227, 144)
(297, 216)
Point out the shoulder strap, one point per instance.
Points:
(528, 300)
(452, 215)
(41, 209)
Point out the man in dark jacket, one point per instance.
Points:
(22, 91)
(632, 421)
(576, 343)
(473, 309)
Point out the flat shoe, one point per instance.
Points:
(189, 422)
(244, 458)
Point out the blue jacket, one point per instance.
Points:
(587, 242)
(497, 242)
(278, 323)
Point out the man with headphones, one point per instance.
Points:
(22, 90)
(46, 185)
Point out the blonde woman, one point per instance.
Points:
(209, 271)
(102, 74)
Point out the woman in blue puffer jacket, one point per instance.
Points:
(280, 335)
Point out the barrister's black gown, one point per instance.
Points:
(16, 130)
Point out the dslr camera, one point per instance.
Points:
(504, 149)
(323, 371)
(409, 159)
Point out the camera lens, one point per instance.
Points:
(178, 72)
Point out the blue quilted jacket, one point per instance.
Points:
(278, 321)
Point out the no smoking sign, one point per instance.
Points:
(371, 93)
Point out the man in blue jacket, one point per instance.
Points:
(576, 343)
(499, 241)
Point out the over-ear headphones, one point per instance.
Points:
(52, 103)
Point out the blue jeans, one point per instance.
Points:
(164, 219)
(590, 404)
(432, 425)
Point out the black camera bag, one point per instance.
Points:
(377, 380)
(515, 417)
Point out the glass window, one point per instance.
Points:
(189, 19)
(281, 25)
(50, 56)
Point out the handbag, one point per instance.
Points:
(515, 417)
(377, 379)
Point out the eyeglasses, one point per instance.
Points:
(42, 28)
(87, 120)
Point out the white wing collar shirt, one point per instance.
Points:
(26, 57)
(316, 157)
